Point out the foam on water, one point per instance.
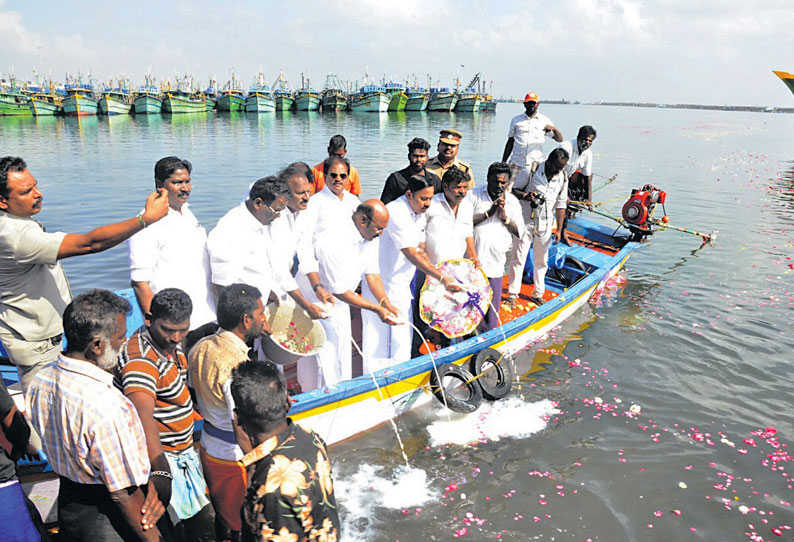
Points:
(360, 494)
(511, 417)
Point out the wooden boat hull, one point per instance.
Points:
(231, 102)
(488, 106)
(179, 104)
(417, 102)
(334, 103)
(307, 102)
(111, 106)
(79, 106)
(373, 102)
(259, 103)
(14, 105)
(468, 105)
(44, 107)
(284, 103)
(148, 105)
(442, 102)
(398, 101)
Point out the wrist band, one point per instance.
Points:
(141, 220)
(318, 285)
(161, 473)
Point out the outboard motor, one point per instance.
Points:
(638, 210)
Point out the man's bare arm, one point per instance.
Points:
(130, 502)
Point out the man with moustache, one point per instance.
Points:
(397, 182)
(526, 136)
(448, 146)
(173, 253)
(91, 433)
(33, 286)
(401, 255)
(153, 375)
(497, 221)
(337, 147)
(450, 232)
(241, 317)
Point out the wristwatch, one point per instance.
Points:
(318, 285)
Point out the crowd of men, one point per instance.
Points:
(115, 416)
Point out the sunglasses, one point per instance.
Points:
(342, 176)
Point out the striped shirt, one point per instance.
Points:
(90, 432)
(143, 368)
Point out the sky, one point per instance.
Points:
(665, 51)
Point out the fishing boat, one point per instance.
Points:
(148, 100)
(306, 98)
(371, 98)
(468, 101)
(487, 103)
(417, 99)
(13, 101)
(116, 100)
(80, 100)
(283, 94)
(260, 97)
(787, 78)
(232, 96)
(333, 97)
(442, 99)
(397, 96)
(47, 103)
(184, 99)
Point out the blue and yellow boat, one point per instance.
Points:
(80, 100)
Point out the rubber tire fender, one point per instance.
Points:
(567, 277)
(455, 404)
(493, 360)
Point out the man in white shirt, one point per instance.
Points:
(580, 164)
(544, 196)
(526, 136)
(401, 255)
(450, 232)
(346, 255)
(497, 221)
(172, 253)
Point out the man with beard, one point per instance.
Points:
(448, 146)
(92, 433)
(450, 232)
(153, 375)
(33, 286)
(241, 317)
(397, 183)
(526, 136)
(497, 221)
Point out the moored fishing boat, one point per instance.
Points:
(13, 100)
(260, 97)
(148, 99)
(468, 101)
(184, 99)
(417, 99)
(370, 98)
(306, 98)
(487, 103)
(283, 94)
(116, 100)
(80, 100)
(397, 96)
(334, 95)
(442, 99)
(47, 103)
(232, 97)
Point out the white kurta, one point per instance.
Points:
(446, 231)
(384, 344)
(288, 234)
(528, 138)
(492, 239)
(172, 253)
(325, 212)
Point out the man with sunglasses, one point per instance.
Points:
(336, 147)
(240, 244)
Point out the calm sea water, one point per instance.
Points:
(663, 412)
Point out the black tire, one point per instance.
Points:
(497, 373)
(566, 277)
(449, 394)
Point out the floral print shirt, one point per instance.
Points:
(290, 494)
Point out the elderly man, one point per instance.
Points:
(241, 317)
(273, 511)
(447, 157)
(401, 255)
(336, 147)
(526, 136)
(397, 182)
(33, 286)
(497, 221)
(346, 256)
(91, 433)
(543, 193)
(173, 253)
(153, 375)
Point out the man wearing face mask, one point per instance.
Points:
(397, 183)
(526, 136)
(401, 254)
(91, 433)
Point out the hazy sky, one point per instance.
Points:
(683, 51)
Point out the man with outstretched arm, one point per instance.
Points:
(526, 136)
(33, 288)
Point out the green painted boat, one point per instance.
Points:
(307, 100)
(260, 97)
(283, 94)
(44, 104)
(116, 101)
(487, 103)
(397, 96)
(370, 98)
(231, 100)
(468, 101)
(148, 102)
(80, 101)
(333, 97)
(14, 103)
(442, 99)
(181, 102)
(417, 99)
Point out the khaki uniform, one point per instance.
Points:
(435, 166)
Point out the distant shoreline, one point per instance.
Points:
(750, 108)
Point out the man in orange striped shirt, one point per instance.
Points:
(336, 147)
(152, 374)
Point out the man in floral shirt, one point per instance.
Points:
(290, 495)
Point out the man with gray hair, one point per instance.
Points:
(92, 433)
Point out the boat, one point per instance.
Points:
(184, 99)
(417, 99)
(333, 97)
(371, 98)
(47, 103)
(13, 101)
(283, 94)
(397, 96)
(260, 97)
(442, 99)
(787, 78)
(116, 100)
(306, 98)
(232, 97)
(80, 100)
(487, 101)
(148, 100)
(468, 101)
